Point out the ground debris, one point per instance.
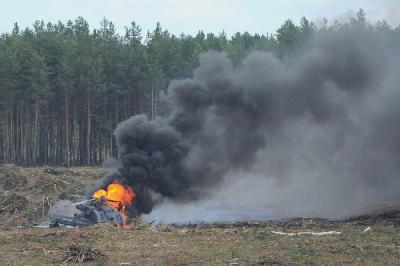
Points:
(150, 243)
(391, 217)
(306, 233)
(13, 203)
(48, 184)
(163, 227)
(273, 260)
(79, 254)
(11, 178)
(366, 229)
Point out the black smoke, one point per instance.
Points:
(329, 116)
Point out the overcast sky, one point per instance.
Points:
(190, 16)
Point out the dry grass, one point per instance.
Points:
(209, 244)
(152, 245)
(27, 193)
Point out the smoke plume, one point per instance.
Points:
(318, 134)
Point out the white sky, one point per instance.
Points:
(190, 16)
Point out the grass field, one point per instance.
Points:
(27, 193)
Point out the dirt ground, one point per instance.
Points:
(27, 193)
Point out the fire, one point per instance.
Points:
(117, 196)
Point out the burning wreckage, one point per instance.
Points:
(106, 206)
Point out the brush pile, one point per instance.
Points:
(80, 254)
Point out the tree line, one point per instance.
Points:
(64, 87)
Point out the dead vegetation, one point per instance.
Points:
(11, 178)
(79, 254)
(23, 203)
(26, 194)
(146, 244)
(13, 203)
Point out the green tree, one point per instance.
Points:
(288, 37)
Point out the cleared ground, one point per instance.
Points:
(26, 193)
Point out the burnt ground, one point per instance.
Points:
(27, 193)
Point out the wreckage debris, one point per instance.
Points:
(84, 213)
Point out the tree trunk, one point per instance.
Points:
(66, 151)
(35, 131)
(152, 100)
(88, 130)
(46, 139)
(156, 103)
(116, 118)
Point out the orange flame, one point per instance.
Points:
(118, 196)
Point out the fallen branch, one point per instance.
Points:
(29, 211)
(65, 182)
(306, 233)
(6, 207)
(367, 229)
(76, 196)
(81, 254)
